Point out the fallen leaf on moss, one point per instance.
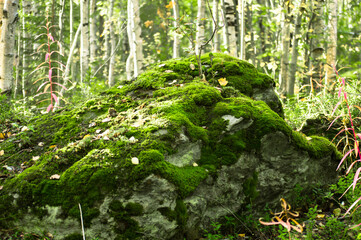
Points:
(36, 158)
(40, 144)
(195, 165)
(86, 136)
(1, 187)
(2, 152)
(106, 120)
(223, 82)
(192, 66)
(55, 177)
(92, 124)
(52, 146)
(135, 161)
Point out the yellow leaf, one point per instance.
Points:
(170, 5)
(86, 136)
(242, 235)
(148, 24)
(192, 66)
(5, 135)
(223, 82)
(320, 216)
(2, 152)
(52, 146)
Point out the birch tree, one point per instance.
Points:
(26, 5)
(135, 58)
(331, 57)
(231, 26)
(176, 42)
(92, 31)
(216, 47)
(285, 49)
(201, 14)
(84, 43)
(8, 17)
(317, 43)
(112, 44)
(294, 55)
(241, 8)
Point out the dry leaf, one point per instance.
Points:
(55, 177)
(2, 152)
(133, 139)
(223, 82)
(92, 124)
(52, 146)
(135, 161)
(192, 66)
(40, 144)
(25, 128)
(57, 157)
(308, 138)
(106, 120)
(98, 131)
(1, 187)
(36, 158)
(195, 165)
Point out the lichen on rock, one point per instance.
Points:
(198, 146)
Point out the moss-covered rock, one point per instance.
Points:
(158, 157)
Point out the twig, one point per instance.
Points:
(82, 224)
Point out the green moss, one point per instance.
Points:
(250, 188)
(127, 227)
(74, 236)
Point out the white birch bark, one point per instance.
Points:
(135, 59)
(176, 43)
(241, 8)
(293, 64)
(112, 43)
(216, 17)
(8, 17)
(27, 7)
(285, 50)
(200, 25)
(331, 55)
(92, 32)
(130, 64)
(84, 45)
(317, 45)
(230, 14)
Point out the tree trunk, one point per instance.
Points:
(293, 64)
(216, 47)
(232, 25)
(200, 25)
(26, 5)
(84, 45)
(92, 32)
(317, 46)
(285, 50)
(331, 57)
(9, 17)
(112, 43)
(135, 59)
(241, 26)
(176, 42)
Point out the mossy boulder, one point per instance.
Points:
(159, 157)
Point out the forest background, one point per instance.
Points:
(99, 43)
